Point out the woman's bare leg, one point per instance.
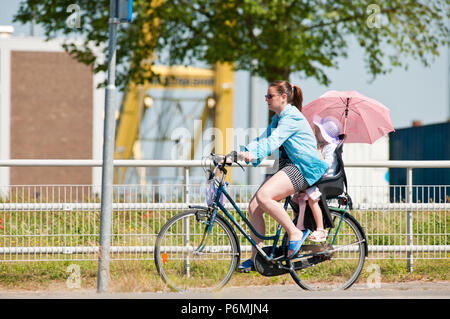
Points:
(256, 217)
(278, 187)
(258, 223)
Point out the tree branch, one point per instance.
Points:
(355, 17)
(253, 38)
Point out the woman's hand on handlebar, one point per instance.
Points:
(233, 157)
(229, 160)
(246, 156)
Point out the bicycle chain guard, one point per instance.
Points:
(270, 269)
(316, 259)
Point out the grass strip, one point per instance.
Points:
(141, 276)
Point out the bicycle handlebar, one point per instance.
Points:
(221, 161)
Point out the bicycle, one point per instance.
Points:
(199, 249)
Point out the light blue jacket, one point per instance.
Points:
(292, 130)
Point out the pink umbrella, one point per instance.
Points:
(364, 119)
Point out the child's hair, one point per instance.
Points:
(293, 92)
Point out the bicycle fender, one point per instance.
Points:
(225, 221)
(198, 207)
(234, 235)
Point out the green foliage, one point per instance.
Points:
(271, 39)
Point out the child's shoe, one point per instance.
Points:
(319, 235)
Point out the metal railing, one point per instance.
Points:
(61, 222)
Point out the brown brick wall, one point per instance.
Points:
(51, 116)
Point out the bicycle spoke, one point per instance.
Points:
(180, 262)
(340, 265)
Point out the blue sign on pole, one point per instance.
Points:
(124, 10)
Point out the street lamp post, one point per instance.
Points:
(120, 11)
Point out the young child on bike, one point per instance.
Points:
(327, 132)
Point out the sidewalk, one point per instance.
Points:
(406, 290)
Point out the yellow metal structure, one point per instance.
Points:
(223, 117)
(129, 121)
(182, 77)
(220, 80)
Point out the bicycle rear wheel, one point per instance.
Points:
(180, 262)
(343, 266)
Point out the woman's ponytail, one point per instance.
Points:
(293, 92)
(297, 97)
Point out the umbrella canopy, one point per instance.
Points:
(364, 120)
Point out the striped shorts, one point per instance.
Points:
(298, 181)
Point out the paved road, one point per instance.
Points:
(408, 290)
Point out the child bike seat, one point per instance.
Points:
(336, 185)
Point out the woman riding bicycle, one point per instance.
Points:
(300, 164)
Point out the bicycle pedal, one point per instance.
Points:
(245, 270)
(312, 248)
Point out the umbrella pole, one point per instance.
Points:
(346, 115)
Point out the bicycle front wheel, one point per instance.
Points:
(188, 257)
(341, 268)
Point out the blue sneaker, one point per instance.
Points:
(246, 266)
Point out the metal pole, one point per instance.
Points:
(108, 158)
(186, 241)
(253, 124)
(409, 220)
(249, 120)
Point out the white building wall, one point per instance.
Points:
(5, 113)
(367, 185)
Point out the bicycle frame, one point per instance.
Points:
(271, 260)
(218, 205)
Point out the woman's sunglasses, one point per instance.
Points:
(269, 96)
